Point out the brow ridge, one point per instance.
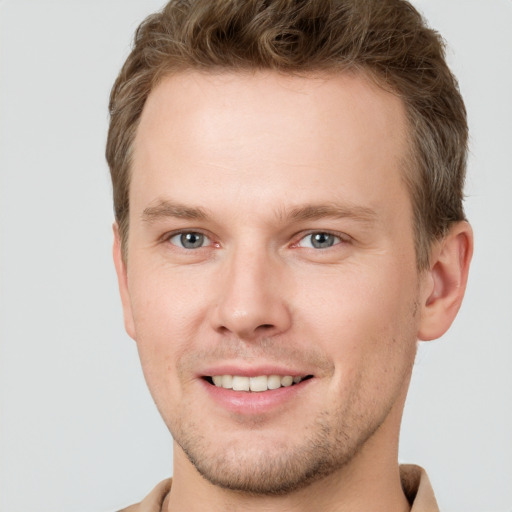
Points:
(333, 210)
(165, 208)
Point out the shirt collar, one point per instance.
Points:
(418, 489)
(415, 484)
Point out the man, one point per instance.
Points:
(288, 193)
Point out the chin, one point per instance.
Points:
(270, 467)
(263, 473)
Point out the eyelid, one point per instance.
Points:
(166, 238)
(343, 237)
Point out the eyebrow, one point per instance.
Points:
(332, 210)
(165, 208)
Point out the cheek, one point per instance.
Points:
(167, 315)
(360, 316)
(165, 302)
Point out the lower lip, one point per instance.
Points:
(251, 403)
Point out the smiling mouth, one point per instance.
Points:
(256, 384)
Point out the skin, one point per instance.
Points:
(256, 163)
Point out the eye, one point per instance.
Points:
(190, 240)
(319, 240)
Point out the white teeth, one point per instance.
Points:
(258, 383)
(286, 381)
(227, 381)
(240, 383)
(274, 382)
(255, 384)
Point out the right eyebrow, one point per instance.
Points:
(164, 209)
(319, 211)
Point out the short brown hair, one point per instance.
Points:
(386, 39)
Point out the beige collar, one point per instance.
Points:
(417, 489)
(415, 484)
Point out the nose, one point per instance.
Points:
(251, 301)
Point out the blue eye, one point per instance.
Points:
(319, 240)
(190, 240)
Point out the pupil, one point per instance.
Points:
(191, 240)
(322, 240)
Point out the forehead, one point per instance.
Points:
(272, 134)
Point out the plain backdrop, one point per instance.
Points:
(78, 429)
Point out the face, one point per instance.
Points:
(271, 281)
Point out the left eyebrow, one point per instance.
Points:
(164, 209)
(332, 210)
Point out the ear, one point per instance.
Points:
(122, 280)
(444, 284)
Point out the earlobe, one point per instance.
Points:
(445, 282)
(122, 280)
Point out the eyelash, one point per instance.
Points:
(168, 237)
(339, 239)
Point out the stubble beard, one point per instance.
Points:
(330, 440)
(273, 469)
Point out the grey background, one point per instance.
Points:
(78, 430)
